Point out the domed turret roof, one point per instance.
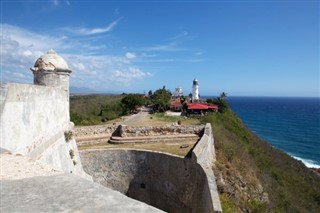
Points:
(50, 61)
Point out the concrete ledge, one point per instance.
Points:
(204, 154)
(65, 193)
(153, 139)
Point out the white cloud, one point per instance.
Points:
(173, 43)
(163, 47)
(128, 75)
(20, 49)
(130, 55)
(91, 31)
(199, 53)
(55, 3)
(179, 36)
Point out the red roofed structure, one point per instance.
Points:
(175, 105)
(198, 108)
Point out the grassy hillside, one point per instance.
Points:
(252, 176)
(94, 109)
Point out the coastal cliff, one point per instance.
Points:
(252, 176)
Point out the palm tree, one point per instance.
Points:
(223, 95)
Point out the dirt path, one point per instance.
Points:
(135, 119)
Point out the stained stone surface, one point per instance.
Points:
(64, 193)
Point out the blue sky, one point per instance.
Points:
(245, 48)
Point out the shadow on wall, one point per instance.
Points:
(170, 183)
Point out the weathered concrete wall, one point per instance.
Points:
(53, 78)
(131, 131)
(64, 193)
(33, 122)
(31, 115)
(204, 149)
(82, 131)
(168, 182)
(204, 154)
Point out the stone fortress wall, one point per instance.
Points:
(33, 122)
(133, 131)
(34, 119)
(168, 182)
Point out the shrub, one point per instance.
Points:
(71, 153)
(68, 135)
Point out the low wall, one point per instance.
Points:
(83, 131)
(132, 131)
(204, 154)
(167, 182)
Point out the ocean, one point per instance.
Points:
(289, 124)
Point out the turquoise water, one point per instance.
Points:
(289, 124)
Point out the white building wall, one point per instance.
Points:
(33, 121)
(195, 92)
(31, 115)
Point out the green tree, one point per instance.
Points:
(183, 102)
(209, 100)
(220, 101)
(222, 104)
(223, 95)
(131, 102)
(150, 93)
(161, 99)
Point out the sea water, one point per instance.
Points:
(289, 124)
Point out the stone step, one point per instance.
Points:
(153, 139)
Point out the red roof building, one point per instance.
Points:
(175, 105)
(197, 106)
(203, 108)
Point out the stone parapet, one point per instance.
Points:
(133, 131)
(83, 131)
(204, 154)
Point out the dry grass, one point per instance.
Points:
(160, 119)
(171, 148)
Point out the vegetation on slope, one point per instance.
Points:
(97, 109)
(252, 176)
(94, 109)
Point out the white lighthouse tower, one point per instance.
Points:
(195, 90)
